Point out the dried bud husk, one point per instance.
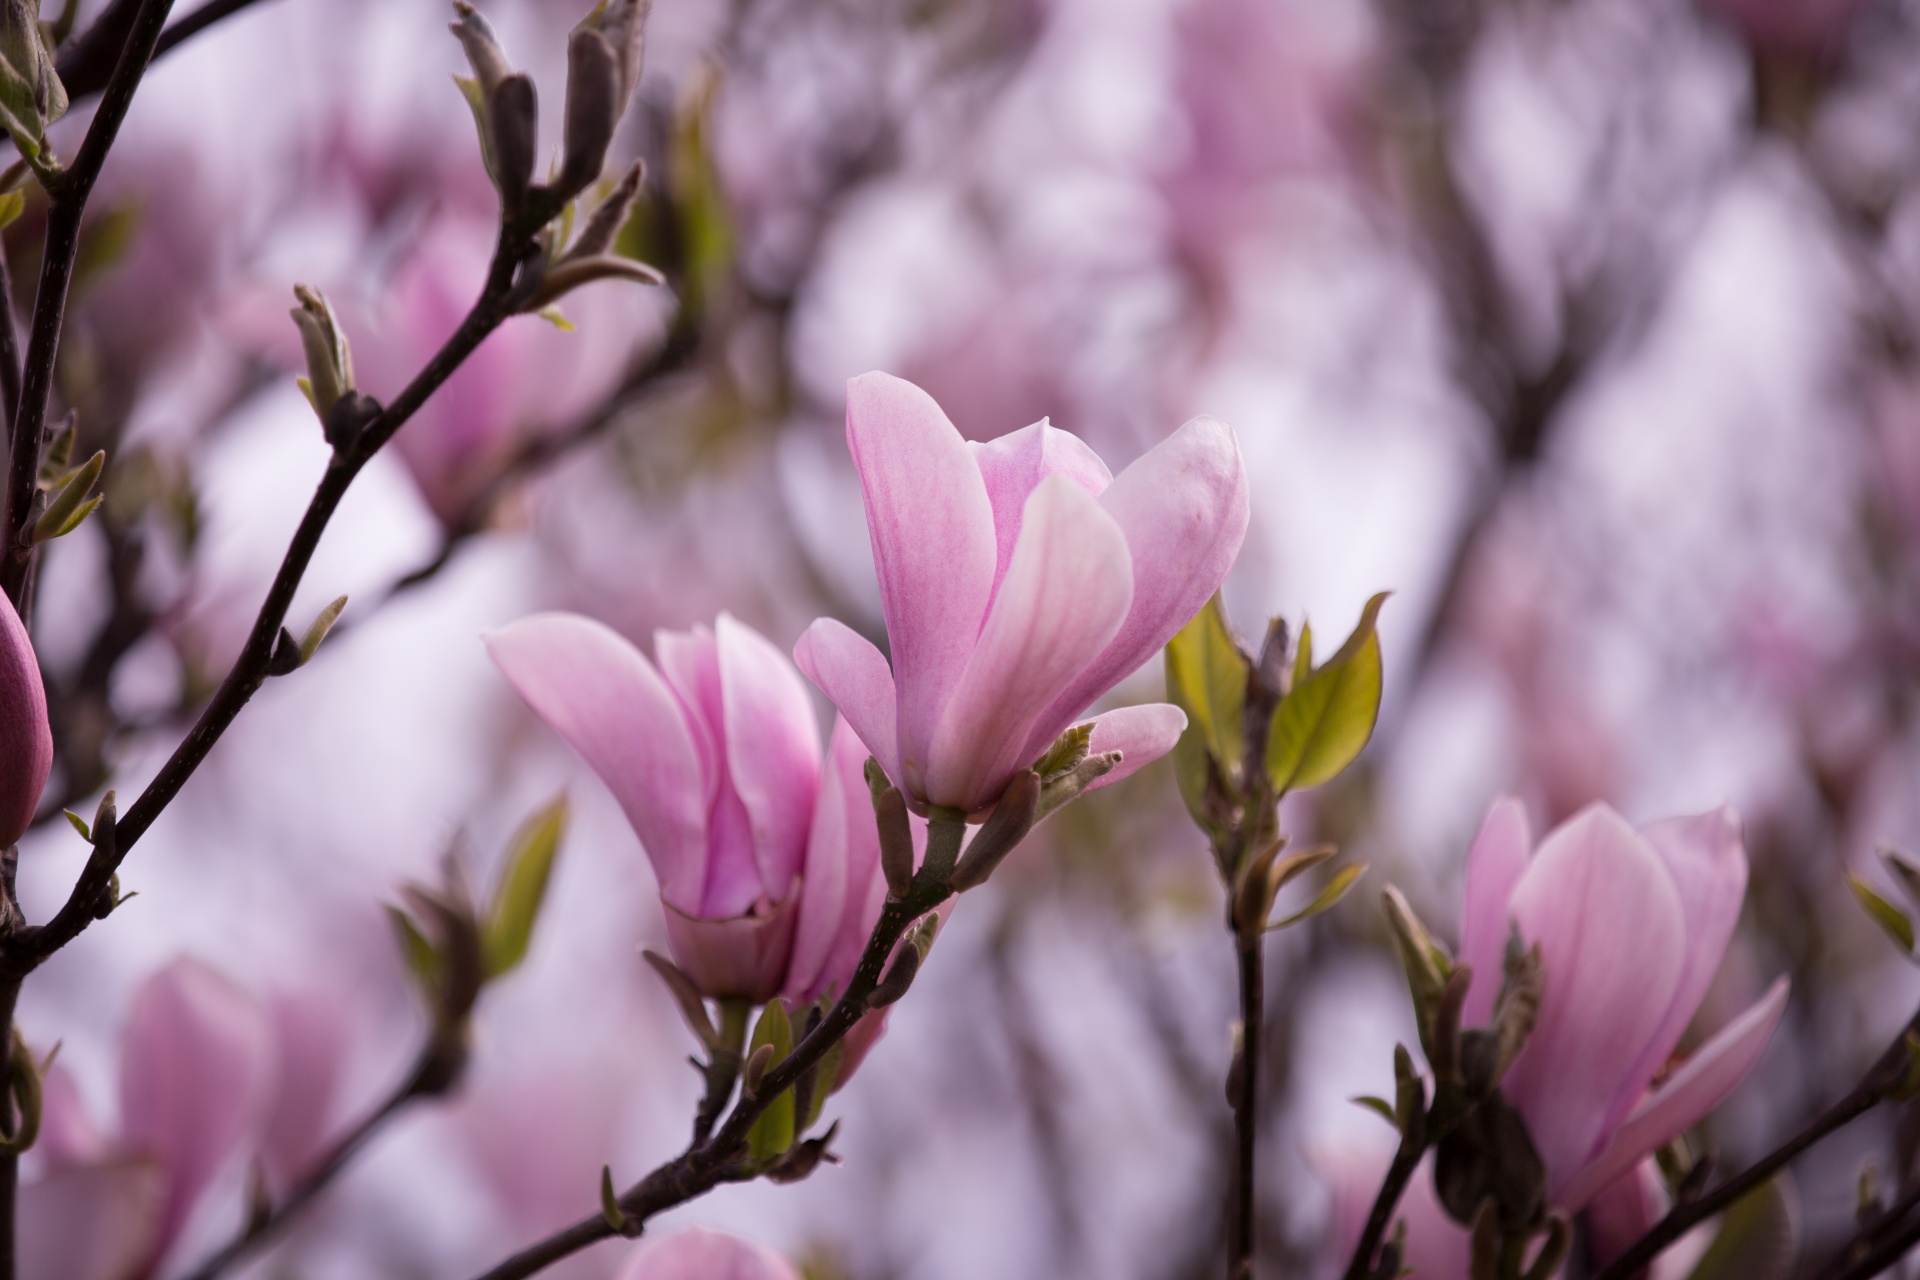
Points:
(803, 1158)
(756, 1070)
(1490, 1156)
(1009, 824)
(687, 998)
(329, 361)
(1069, 785)
(1518, 1006)
(593, 109)
(1427, 964)
(896, 841)
(570, 273)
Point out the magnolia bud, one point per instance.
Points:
(896, 841)
(1008, 825)
(31, 95)
(623, 25)
(512, 123)
(329, 362)
(484, 54)
(593, 109)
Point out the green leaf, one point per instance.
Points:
(80, 825)
(420, 955)
(1336, 888)
(523, 887)
(67, 508)
(772, 1133)
(1895, 921)
(476, 100)
(1329, 713)
(1207, 679)
(1380, 1105)
(1756, 1239)
(1302, 656)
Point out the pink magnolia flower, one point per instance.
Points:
(1020, 581)
(26, 739)
(714, 756)
(195, 1071)
(697, 1254)
(1631, 927)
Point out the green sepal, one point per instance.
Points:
(1893, 919)
(318, 628)
(1328, 715)
(773, 1132)
(508, 928)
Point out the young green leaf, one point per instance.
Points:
(1207, 679)
(1894, 920)
(1336, 888)
(422, 959)
(523, 886)
(1329, 713)
(1378, 1105)
(773, 1132)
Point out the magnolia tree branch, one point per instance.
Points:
(705, 1164)
(434, 1071)
(86, 63)
(1888, 1074)
(67, 193)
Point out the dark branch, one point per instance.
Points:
(87, 61)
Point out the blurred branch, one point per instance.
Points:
(87, 62)
(68, 192)
(434, 1071)
(1889, 1073)
(724, 1157)
(1879, 1244)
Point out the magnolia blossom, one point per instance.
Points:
(697, 1254)
(26, 740)
(715, 757)
(1631, 926)
(1020, 581)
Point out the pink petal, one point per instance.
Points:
(854, 676)
(1494, 867)
(1183, 508)
(1065, 595)
(1602, 908)
(689, 661)
(604, 698)
(1623, 1211)
(745, 956)
(697, 1254)
(842, 892)
(1140, 734)
(91, 1222)
(1015, 464)
(309, 1032)
(194, 1072)
(1700, 1085)
(1708, 863)
(773, 748)
(26, 740)
(67, 1134)
(931, 524)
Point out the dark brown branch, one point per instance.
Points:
(1245, 1087)
(67, 202)
(1886, 1075)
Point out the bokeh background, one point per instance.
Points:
(1588, 327)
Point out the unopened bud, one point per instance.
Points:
(898, 979)
(329, 361)
(1073, 782)
(1425, 960)
(756, 1071)
(482, 46)
(623, 25)
(593, 109)
(31, 95)
(804, 1157)
(603, 228)
(1003, 831)
(896, 842)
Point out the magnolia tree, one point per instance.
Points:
(1551, 1108)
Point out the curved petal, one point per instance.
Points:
(1701, 1084)
(842, 890)
(91, 1222)
(1065, 595)
(1708, 863)
(745, 956)
(698, 1254)
(1602, 909)
(310, 1039)
(194, 1072)
(689, 661)
(1494, 867)
(854, 676)
(1015, 464)
(26, 739)
(1183, 508)
(773, 747)
(605, 699)
(1140, 734)
(931, 523)
(68, 1136)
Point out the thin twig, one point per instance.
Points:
(9, 345)
(67, 203)
(1246, 1094)
(1886, 1075)
(86, 62)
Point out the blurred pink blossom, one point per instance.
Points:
(26, 739)
(195, 1073)
(1020, 581)
(715, 757)
(697, 1254)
